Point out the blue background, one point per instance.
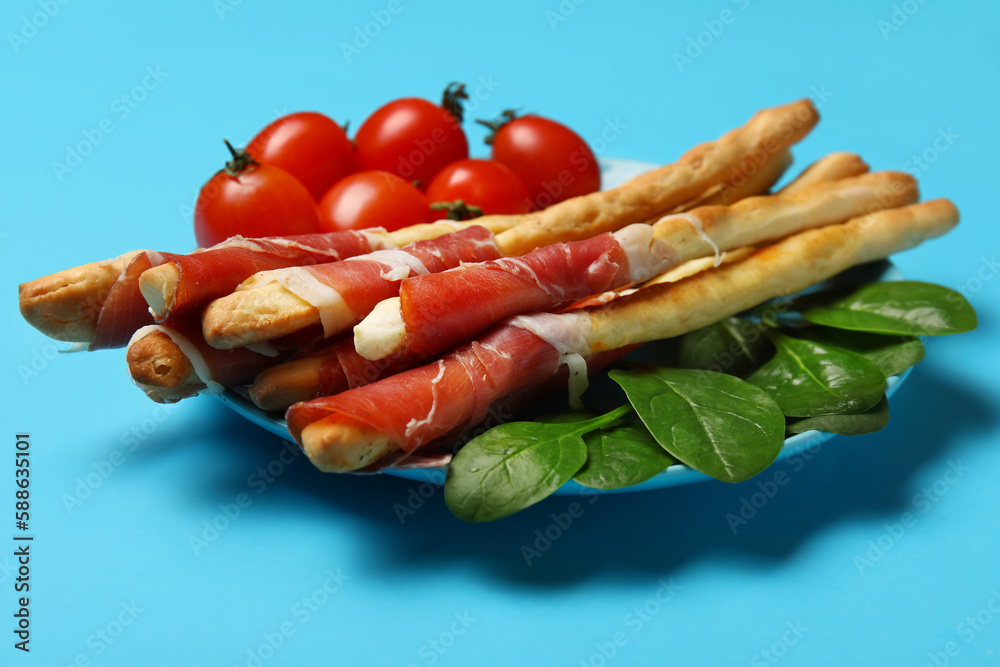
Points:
(825, 572)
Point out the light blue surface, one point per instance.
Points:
(804, 578)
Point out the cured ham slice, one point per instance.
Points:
(184, 284)
(462, 303)
(277, 303)
(124, 310)
(444, 397)
(330, 370)
(413, 408)
(440, 452)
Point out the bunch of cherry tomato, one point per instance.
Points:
(408, 163)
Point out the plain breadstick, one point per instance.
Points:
(753, 183)
(828, 168)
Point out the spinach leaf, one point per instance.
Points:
(869, 421)
(733, 345)
(621, 455)
(568, 417)
(890, 354)
(514, 465)
(715, 423)
(901, 307)
(809, 379)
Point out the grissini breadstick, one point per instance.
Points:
(740, 185)
(831, 167)
(351, 429)
(170, 363)
(281, 304)
(436, 312)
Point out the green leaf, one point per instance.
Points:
(715, 423)
(901, 307)
(869, 421)
(568, 417)
(891, 354)
(733, 345)
(621, 455)
(515, 465)
(809, 379)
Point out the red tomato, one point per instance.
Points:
(552, 160)
(373, 199)
(309, 146)
(414, 138)
(486, 184)
(253, 200)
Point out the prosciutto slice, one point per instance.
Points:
(442, 310)
(124, 311)
(448, 396)
(207, 274)
(343, 368)
(440, 452)
(345, 292)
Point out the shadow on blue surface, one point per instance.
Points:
(640, 535)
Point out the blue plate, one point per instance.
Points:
(614, 172)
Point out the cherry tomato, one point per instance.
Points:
(486, 184)
(309, 146)
(414, 138)
(373, 199)
(252, 200)
(552, 160)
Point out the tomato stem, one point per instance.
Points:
(494, 125)
(454, 94)
(241, 160)
(458, 209)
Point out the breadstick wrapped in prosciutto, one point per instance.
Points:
(435, 312)
(354, 429)
(170, 363)
(102, 303)
(184, 284)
